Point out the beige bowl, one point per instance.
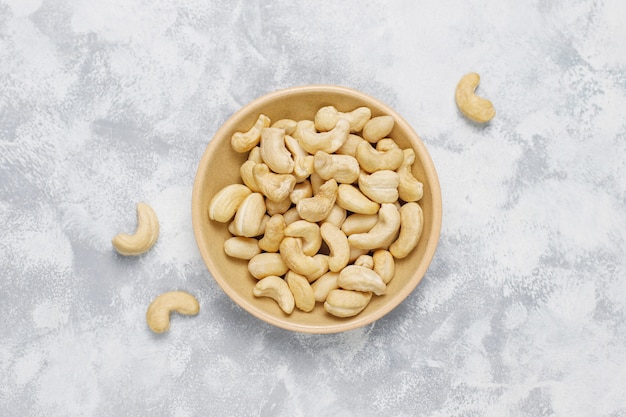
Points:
(220, 166)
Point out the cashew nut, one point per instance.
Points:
(273, 151)
(234, 230)
(303, 294)
(360, 278)
(249, 216)
(384, 265)
(336, 216)
(383, 233)
(342, 168)
(355, 253)
(145, 235)
(276, 187)
(242, 247)
(326, 118)
(288, 125)
(244, 141)
(310, 234)
(322, 267)
(351, 199)
(366, 261)
(316, 182)
(265, 264)
(325, 141)
(346, 303)
(377, 128)
(325, 284)
(359, 223)
(277, 289)
(274, 233)
(350, 145)
(255, 155)
(303, 161)
(291, 216)
(372, 160)
(411, 223)
(380, 186)
(472, 106)
(300, 191)
(409, 188)
(338, 244)
(279, 207)
(317, 208)
(158, 314)
(247, 176)
(294, 257)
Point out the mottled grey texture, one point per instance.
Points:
(104, 103)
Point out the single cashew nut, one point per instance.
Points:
(288, 125)
(359, 223)
(342, 168)
(366, 261)
(234, 230)
(291, 216)
(294, 257)
(276, 187)
(300, 191)
(158, 314)
(322, 267)
(352, 199)
(265, 264)
(318, 207)
(384, 265)
(255, 155)
(383, 233)
(338, 244)
(472, 106)
(244, 141)
(303, 294)
(372, 160)
(145, 235)
(380, 186)
(277, 289)
(325, 141)
(274, 233)
(377, 128)
(249, 216)
(409, 188)
(346, 303)
(325, 284)
(274, 152)
(411, 224)
(336, 216)
(360, 278)
(303, 162)
(310, 234)
(327, 117)
(279, 207)
(242, 247)
(350, 145)
(245, 171)
(225, 203)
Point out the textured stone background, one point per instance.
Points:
(104, 103)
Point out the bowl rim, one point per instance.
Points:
(433, 238)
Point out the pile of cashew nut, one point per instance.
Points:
(325, 209)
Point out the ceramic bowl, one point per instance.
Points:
(219, 167)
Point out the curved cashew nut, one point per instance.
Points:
(288, 125)
(350, 145)
(276, 187)
(322, 267)
(145, 235)
(326, 118)
(350, 198)
(274, 233)
(366, 261)
(472, 106)
(411, 224)
(274, 152)
(372, 160)
(360, 278)
(242, 247)
(380, 186)
(255, 155)
(318, 207)
(325, 141)
(409, 188)
(342, 168)
(300, 191)
(244, 141)
(303, 294)
(384, 265)
(383, 233)
(279, 207)
(325, 284)
(310, 234)
(377, 128)
(295, 259)
(291, 216)
(277, 289)
(265, 264)
(336, 216)
(249, 216)
(346, 303)
(359, 223)
(225, 203)
(338, 244)
(303, 162)
(245, 171)
(158, 314)
(234, 230)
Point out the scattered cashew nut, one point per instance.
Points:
(360, 278)
(277, 289)
(411, 224)
(409, 188)
(382, 234)
(342, 168)
(338, 244)
(274, 152)
(475, 108)
(145, 235)
(303, 294)
(318, 207)
(244, 141)
(327, 117)
(158, 314)
(377, 128)
(346, 303)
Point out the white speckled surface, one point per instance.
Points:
(104, 103)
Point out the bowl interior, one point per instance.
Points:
(219, 167)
